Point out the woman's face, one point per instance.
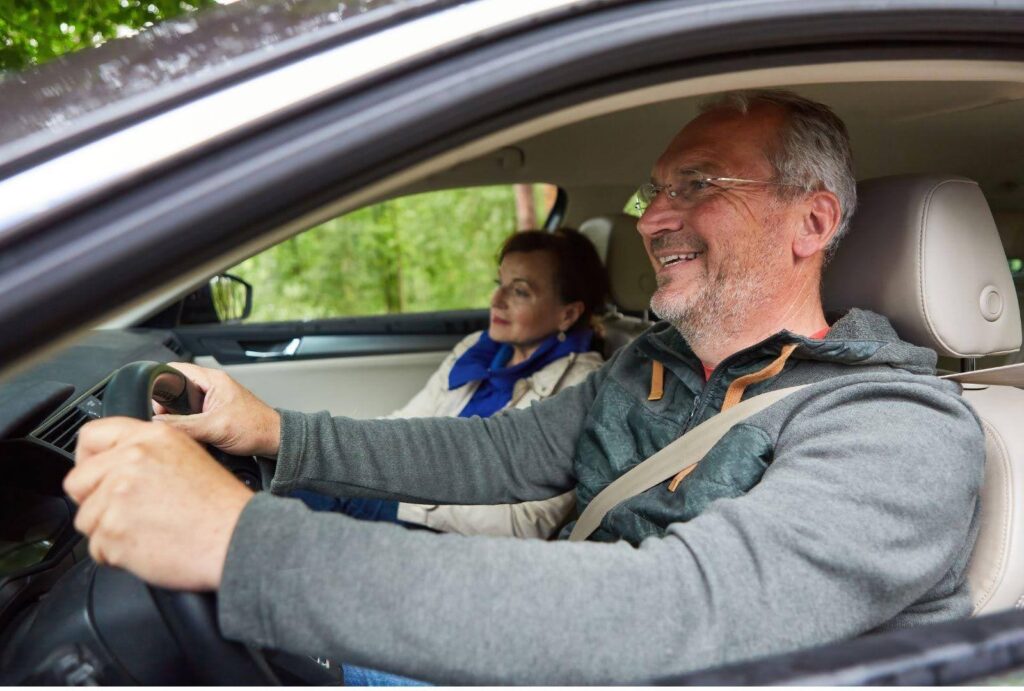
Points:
(526, 307)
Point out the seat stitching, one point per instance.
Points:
(1004, 456)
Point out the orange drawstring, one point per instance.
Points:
(657, 381)
(734, 394)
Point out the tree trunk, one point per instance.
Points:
(526, 214)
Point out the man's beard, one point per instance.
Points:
(724, 304)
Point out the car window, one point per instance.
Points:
(421, 253)
(631, 208)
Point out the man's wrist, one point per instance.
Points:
(270, 447)
(234, 506)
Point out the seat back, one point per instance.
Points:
(941, 277)
(996, 571)
(630, 276)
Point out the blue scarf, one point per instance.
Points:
(485, 362)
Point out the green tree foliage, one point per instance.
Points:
(426, 252)
(33, 31)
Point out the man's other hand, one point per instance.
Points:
(232, 419)
(152, 501)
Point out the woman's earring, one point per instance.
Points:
(561, 336)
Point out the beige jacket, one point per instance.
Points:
(540, 519)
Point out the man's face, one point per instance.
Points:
(724, 252)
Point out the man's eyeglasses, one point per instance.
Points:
(692, 187)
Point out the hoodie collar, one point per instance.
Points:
(858, 337)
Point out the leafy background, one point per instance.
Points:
(34, 31)
(427, 252)
(432, 251)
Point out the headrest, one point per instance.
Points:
(924, 251)
(629, 270)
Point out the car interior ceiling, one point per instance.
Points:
(895, 112)
(894, 127)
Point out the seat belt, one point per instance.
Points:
(677, 456)
(1007, 375)
(695, 444)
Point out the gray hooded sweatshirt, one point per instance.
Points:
(850, 506)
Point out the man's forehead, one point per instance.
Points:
(722, 141)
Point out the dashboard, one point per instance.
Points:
(64, 620)
(42, 409)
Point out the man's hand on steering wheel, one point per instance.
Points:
(233, 419)
(152, 501)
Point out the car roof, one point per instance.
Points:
(91, 90)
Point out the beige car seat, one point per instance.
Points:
(630, 276)
(924, 251)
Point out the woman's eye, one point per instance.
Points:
(520, 293)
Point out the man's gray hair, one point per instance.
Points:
(813, 152)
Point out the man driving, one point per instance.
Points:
(849, 506)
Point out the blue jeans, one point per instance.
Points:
(360, 676)
(363, 509)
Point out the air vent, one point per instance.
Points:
(64, 432)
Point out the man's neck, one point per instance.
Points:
(806, 322)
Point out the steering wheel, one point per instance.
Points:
(191, 617)
(131, 389)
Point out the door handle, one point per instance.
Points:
(289, 349)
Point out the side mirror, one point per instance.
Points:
(232, 298)
(226, 299)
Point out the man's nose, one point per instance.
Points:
(660, 217)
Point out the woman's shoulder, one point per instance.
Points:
(458, 350)
(568, 370)
(589, 360)
(582, 365)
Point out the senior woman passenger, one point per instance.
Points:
(549, 288)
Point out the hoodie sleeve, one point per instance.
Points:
(868, 508)
(514, 456)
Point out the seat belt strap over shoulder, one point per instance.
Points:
(1007, 375)
(684, 452)
(734, 395)
(689, 449)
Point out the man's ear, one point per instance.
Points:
(570, 313)
(820, 222)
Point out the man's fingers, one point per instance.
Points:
(99, 435)
(88, 473)
(101, 517)
(196, 426)
(91, 508)
(96, 552)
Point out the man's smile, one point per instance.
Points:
(670, 259)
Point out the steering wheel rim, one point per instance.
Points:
(191, 617)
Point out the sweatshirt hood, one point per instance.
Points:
(858, 337)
